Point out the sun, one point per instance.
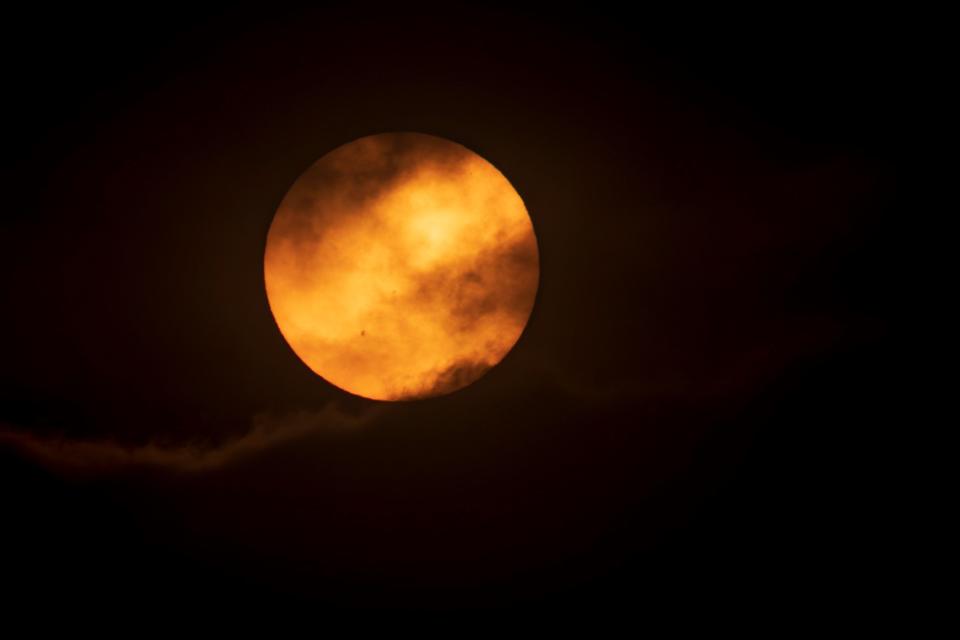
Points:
(401, 266)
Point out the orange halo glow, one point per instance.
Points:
(401, 266)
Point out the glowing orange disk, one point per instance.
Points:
(401, 266)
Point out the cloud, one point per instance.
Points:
(450, 379)
(755, 367)
(98, 456)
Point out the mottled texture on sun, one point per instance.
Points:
(401, 266)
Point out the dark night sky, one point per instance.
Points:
(695, 412)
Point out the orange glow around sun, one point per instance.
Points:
(401, 266)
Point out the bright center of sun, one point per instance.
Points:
(401, 266)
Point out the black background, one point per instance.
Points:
(698, 412)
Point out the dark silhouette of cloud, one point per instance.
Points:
(104, 455)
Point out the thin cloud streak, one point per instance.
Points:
(99, 456)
